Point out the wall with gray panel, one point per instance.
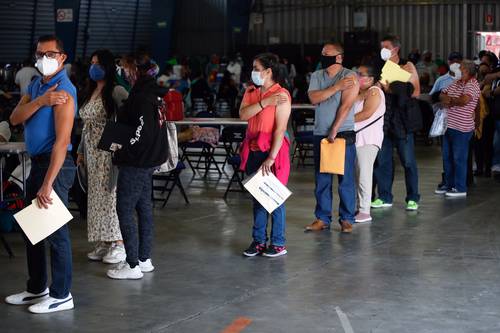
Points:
(110, 25)
(17, 31)
(439, 26)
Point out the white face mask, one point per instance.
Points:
(455, 69)
(257, 79)
(47, 66)
(385, 54)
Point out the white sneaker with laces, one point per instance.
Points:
(27, 298)
(146, 266)
(52, 304)
(115, 255)
(99, 252)
(123, 271)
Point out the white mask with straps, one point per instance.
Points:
(257, 79)
(385, 54)
(455, 69)
(47, 66)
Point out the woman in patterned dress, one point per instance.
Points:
(100, 102)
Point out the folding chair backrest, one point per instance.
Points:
(223, 108)
(232, 137)
(302, 118)
(199, 105)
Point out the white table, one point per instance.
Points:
(303, 106)
(211, 121)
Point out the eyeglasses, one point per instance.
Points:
(48, 54)
(363, 75)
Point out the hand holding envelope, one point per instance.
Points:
(332, 158)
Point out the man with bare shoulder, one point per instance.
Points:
(47, 112)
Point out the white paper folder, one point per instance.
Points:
(267, 190)
(39, 223)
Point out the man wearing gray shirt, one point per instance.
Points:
(333, 89)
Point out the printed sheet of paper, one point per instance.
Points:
(392, 72)
(267, 190)
(39, 223)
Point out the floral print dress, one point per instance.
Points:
(102, 221)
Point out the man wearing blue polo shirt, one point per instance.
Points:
(48, 112)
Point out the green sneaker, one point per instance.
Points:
(411, 205)
(379, 203)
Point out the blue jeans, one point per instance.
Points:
(347, 186)
(133, 194)
(260, 214)
(60, 243)
(455, 154)
(496, 144)
(384, 170)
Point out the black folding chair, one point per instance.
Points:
(303, 138)
(198, 105)
(171, 180)
(201, 155)
(232, 137)
(223, 108)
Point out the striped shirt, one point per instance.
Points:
(461, 118)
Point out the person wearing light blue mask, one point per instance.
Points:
(99, 105)
(267, 107)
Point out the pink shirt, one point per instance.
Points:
(260, 130)
(374, 134)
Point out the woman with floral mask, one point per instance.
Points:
(369, 111)
(98, 107)
(267, 107)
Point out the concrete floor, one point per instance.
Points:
(432, 271)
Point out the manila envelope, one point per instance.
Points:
(392, 72)
(332, 156)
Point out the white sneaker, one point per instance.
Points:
(146, 266)
(99, 252)
(124, 272)
(115, 255)
(27, 298)
(52, 304)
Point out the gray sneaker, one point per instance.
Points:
(99, 252)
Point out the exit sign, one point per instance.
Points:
(489, 20)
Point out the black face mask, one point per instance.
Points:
(327, 61)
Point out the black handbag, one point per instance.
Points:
(115, 135)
